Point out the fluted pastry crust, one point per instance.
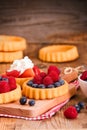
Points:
(48, 93)
(58, 53)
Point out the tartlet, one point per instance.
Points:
(58, 53)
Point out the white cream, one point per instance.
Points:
(21, 65)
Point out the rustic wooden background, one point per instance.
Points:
(37, 20)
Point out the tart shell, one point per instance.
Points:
(48, 93)
(11, 96)
(58, 53)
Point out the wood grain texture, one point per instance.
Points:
(37, 20)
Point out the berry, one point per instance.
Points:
(41, 86)
(36, 70)
(12, 83)
(84, 75)
(37, 79)
(50, 86)
(43, 74)
(47, 80)
(57, 84)
(54, 75)
(30, 83)
(23, 100)
(31, 102)
(35, 85)
(81, 104)
(77, 108)
(4, 87)
(13, 73)
(53, 68)
(0, 78)
(61, 81)
(70, 112)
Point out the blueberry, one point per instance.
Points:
(35, 85)
(30, 83)
(23, 100)
(77, 108)
(41, 86)
(61, 81)
(81, 104)
(31, 102)
(57, 84)
(50, 86)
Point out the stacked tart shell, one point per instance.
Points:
(47, 93)
(58, 53)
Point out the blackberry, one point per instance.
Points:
(31, 102)
(23, 100)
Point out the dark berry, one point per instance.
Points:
(57, 84)
(50, 86)
(30, 83)
(35, 85)
(81, 104)
(0, 77)
(61, 81)
(31, 102)
(5, 79)
(41, 86)
(77, 108)
(23, 100)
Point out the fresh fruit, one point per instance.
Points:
(41, 86)
(13, 73)
(27, 73)
(37, 79)
(57, 84)
(84, 75)
(71, 112)
(43, 74)
(35, 85)
(12, 83)
(61, 81)
(31, 102)
(36, 70)
(30, 83)
(47, 80)
(50, 86)
(81, 104)
(4, 87)
(77, 108)
(54, 75)
(53, 68)
(23, 100)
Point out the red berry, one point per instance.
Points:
(36, 70)
(53, 68)
(84, 75)
(37, 79)
(12, 83)
(54, 75)
(70, 112)
(4, 87)
(43, 74)
(47, 80)
(13, 73)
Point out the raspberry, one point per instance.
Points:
(37, 79)
(47, 80)
(4, 87)
(13, 73)
(53, 68)
(43, 74)
(12, 83)
(36, 70)
(54, 75)
(84, 75)
(70, 112)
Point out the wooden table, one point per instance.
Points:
(58, 121)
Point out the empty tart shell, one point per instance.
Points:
(58, 53)
(12, 43)
(11, 96)
(10, 56)
(48, 93)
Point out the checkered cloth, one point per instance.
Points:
(46, 115)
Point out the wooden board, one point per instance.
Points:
(40, 107)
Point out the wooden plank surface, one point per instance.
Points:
(58, 121)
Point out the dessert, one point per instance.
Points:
(45, 85)
(22, 70)
(9, 90)
(69, 74)
(58, 53)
